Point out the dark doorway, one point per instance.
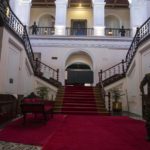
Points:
(79, 74)
(79, 27)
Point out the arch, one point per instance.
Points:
(79, 57)
(46, 20)
(79, 66)
(112, 21)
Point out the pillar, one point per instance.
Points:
(99, 17)
(22, 8)
(138, 14)
(60, 17)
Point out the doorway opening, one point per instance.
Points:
(78, 27)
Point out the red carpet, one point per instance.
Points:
(80, 133)
(35, 132)
(99, 133)
(79, 100)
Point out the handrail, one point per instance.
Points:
(79, 31)
(117, 32)
(118, 69)
(38, 61)
(13, 22)
(42, 31)
(44, 70)
(141, 34)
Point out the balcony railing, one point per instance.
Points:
(117, 32)
(42, 31)
(79, 31)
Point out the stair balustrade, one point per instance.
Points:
(119, 70)
(44, 70)
(113, 73)
(10, 20)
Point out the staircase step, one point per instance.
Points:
(85, 113)
(81, 104)
(80, 100)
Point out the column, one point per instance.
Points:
(99, 17)
(148, 8)
(60, 17)
(22, 8)
(138, 14)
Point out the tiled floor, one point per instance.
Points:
(16, 146)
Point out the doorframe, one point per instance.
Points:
(74, 20)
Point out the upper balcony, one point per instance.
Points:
(80, 18)
(78, 32)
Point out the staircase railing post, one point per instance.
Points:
(36, 65)
(100, 77)
(123, 68)
(57, 74)
(109, 102)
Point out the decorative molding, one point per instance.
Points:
(81, 42)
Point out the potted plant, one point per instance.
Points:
(42, 92)
(116, 95)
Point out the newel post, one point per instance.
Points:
(100, 77)
(109, 102)
(123, 68)
(57, 74)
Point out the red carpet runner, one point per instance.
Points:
(78, 132)
(79, 100)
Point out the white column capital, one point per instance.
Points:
(98, 17)
(60, 17)
(25, 1)
(61, 2)
(98, 2)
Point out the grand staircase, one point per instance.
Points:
(79, 100)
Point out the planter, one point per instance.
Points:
(117, 107)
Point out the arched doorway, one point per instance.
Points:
(46, 24)
(79, 69)
(112, 24)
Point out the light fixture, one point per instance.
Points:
(7, 11)
(110, 33)
(80, 4)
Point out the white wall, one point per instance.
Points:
(104, 52)
(137, 70)
(123, 15)
(20, 70)
(80, 13)
(52, 90)
(121, 84)
(37, 13)
(1, 40)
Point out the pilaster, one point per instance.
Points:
(60, 18)
(138, 14)
(99, 17)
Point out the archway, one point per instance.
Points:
(46, 21)
(79, 69)
(46, 24)
(112, 21)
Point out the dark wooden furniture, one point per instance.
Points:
(36, 106)
(8, 107)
